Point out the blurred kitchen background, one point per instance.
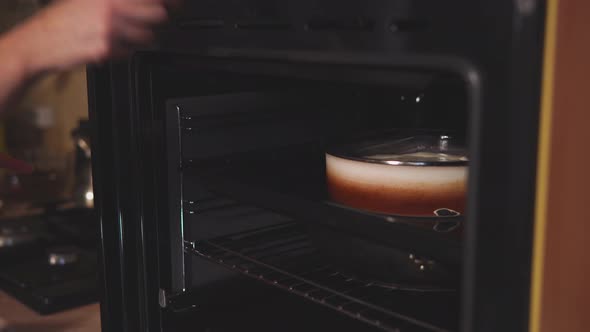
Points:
(48, 232)
(39, 129)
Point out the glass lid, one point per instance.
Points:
(420, 149)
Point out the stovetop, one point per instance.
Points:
(48, 261)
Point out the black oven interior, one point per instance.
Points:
(246, 189)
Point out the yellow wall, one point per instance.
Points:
(66, 95)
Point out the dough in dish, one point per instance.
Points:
(396, 189)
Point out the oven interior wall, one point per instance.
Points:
(248, 141)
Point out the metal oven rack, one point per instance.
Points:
(283, 256)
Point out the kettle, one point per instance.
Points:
(83, 195)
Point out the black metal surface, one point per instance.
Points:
(283, 257)
(26, 271)
(370, 258)
(327, 25)
(49, 289)
(177, 282)
(498, 248)
(250, 304)
(501, 39)
(109, 110)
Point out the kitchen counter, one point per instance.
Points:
(19, 318)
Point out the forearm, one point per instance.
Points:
(36, 46)
(69, 33)
(15, 71)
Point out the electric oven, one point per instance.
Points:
(210, 153)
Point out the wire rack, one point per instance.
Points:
(283, 256)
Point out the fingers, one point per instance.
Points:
(174, 4)
(162, 2)
(133, 34)
(133, 26)
(145, 13)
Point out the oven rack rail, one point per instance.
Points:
(283, 257)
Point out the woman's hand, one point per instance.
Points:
(75, 32)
